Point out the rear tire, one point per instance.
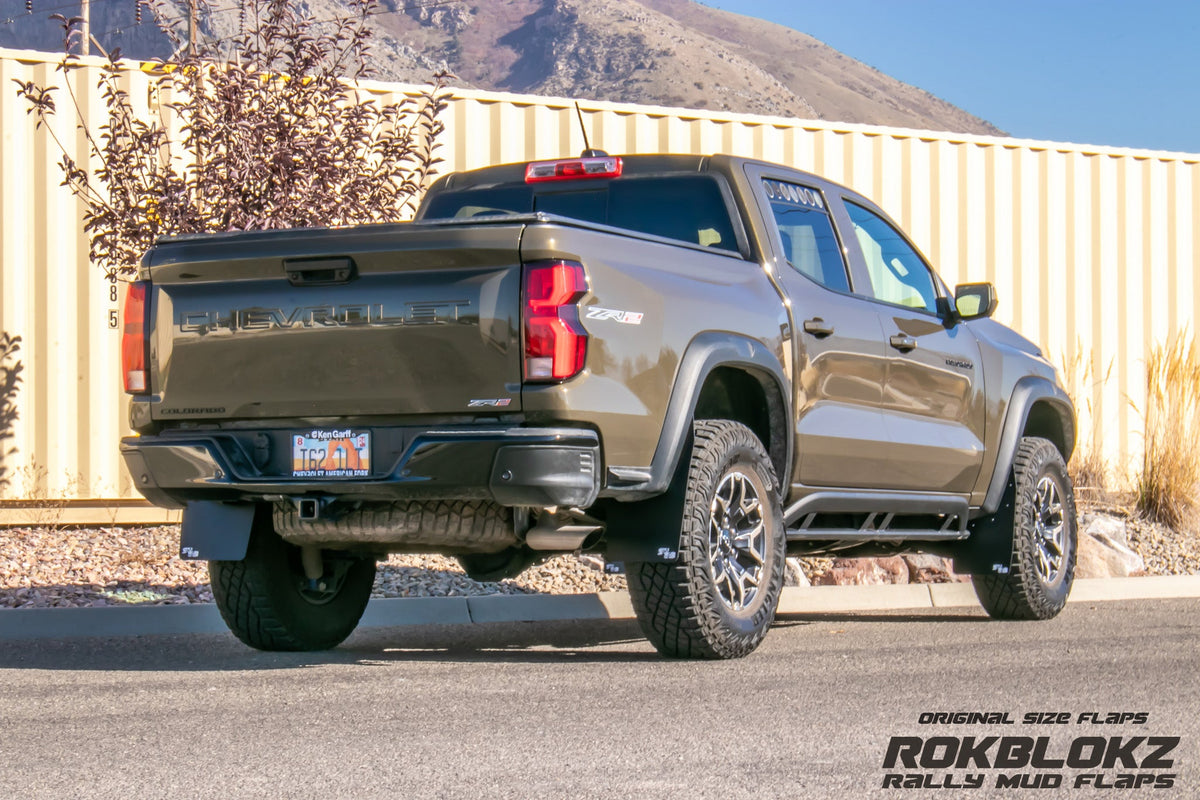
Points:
(1041, 568)
(718, 598)
(269, 603)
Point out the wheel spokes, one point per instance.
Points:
(751, 542)
(743, 582)
(1049, 527)
(737, 540)
(721, 573)
(1043, 565)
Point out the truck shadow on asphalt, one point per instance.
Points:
(565, 642)
(594, 641)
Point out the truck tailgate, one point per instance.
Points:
(382, 319)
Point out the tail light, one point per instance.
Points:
(135, 339)
(555, 341)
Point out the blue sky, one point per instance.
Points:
(1103, 72)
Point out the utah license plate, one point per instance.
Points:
(331, 454)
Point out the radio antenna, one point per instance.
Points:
(588, 152)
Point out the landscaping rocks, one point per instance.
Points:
(864, 572)
(1165, 552)
(924, 568)
(1104, 550)
(794, 574)
(916, 568)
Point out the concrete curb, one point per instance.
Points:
(60, 623)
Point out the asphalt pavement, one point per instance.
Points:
(581, 709)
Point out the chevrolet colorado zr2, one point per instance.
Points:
(693, 366)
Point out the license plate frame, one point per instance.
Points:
(331, 454)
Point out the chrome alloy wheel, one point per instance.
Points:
(1049, 531)
(737, 541)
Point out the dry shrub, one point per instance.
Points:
(1090, 473)
(40, 506)
(1170, 475)
(274, 134)
(10, 377)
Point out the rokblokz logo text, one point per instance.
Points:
(1074, 757)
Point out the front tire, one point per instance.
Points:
(1041, 568)
(718, 598)
(269, 603)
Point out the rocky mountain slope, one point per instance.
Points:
(659, 52)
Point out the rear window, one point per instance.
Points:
(689, 208)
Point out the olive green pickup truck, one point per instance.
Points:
(694, 366)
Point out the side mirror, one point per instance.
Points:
(975, 300)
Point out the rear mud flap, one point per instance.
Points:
(216, 531)
(648, 530)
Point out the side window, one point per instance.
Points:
(898, 275)
(809, 243)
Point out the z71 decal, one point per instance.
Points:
(626, 317)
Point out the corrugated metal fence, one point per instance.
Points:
(1093, 250)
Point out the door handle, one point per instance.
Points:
(903, 342)
(818, 327)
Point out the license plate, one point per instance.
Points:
(331, 454)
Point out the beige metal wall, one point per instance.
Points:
(1093, 250)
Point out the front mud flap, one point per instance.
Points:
(216, 531)
(989, 549)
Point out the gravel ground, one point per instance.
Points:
(115, 566)
(1164, 551)
(44, 567)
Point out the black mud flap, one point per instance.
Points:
(989, 549)
(216, 531)
(648, 530)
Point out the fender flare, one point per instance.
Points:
(705, 353)
(1028, 392)
(648, 529)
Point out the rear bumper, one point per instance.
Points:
(509, 466)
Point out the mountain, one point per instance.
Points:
(839, 87)
(658, 52)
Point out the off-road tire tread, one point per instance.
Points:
(245, 595)
(678, 621)
(1020, 595)
(245, 609)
